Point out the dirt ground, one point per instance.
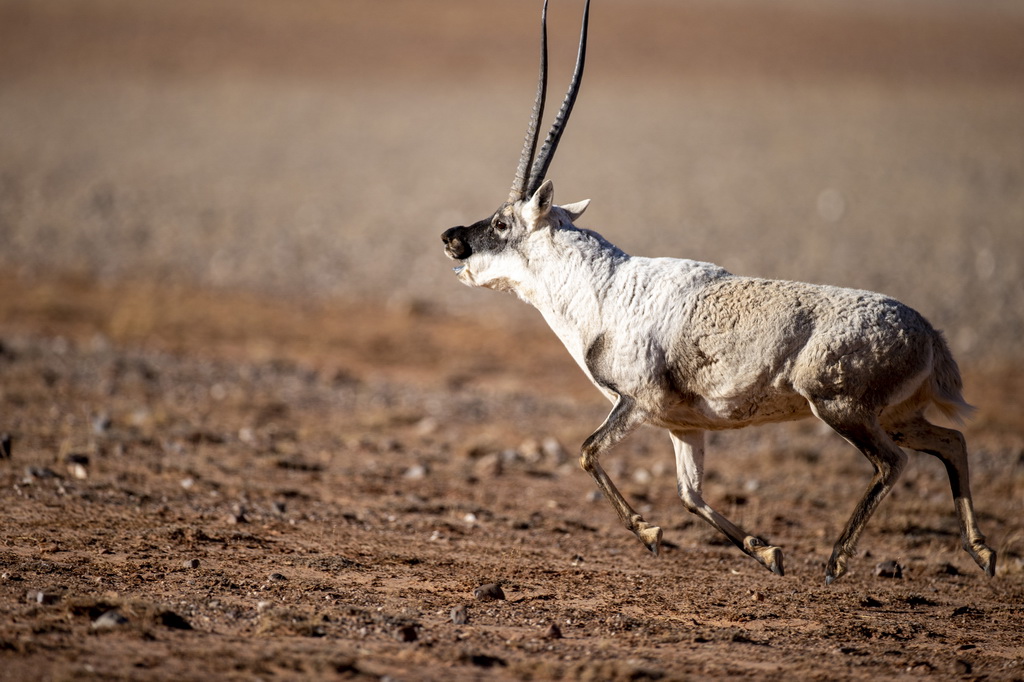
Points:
(257, 431)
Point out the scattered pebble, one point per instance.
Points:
(78, 464)
(101, 424)
(426, 426)
(32, 472)
(489, 466)
(109, 620)
(489, 592)
(190, 563)
(889, 569)
(554, 450)
(172, 620)
(277, 577)
(642, 476)
(553, 632)
(41, 597)
(416, 472)
(238, 515)
(459, 614)
(962, 667)
(406, 633)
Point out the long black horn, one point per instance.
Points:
(547, 152)
(530, 144)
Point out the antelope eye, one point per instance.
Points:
(500, 225)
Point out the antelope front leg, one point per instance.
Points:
(623, 420)
(689, 449)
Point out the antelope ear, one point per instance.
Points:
(539, 205)
(575, 210)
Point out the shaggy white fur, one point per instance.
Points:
(690, 347)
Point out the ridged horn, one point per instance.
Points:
(530, 144)
(547, 152)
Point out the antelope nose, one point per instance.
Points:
(455, 246)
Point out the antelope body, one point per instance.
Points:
(689, 347)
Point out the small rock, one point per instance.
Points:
(489, 592)
(5, 446)
(190, 563)
(277, 577)
(39, 472)
(406, 633)
(962, 667)
(642, 476)
(101, 424)
(553, 632)
(485, 660)
(889, 569)
(554, 450)
(489, 465)
(41, 597)
(416, 472)
(109, 620)
(426, 426)
(531, 451)
(459, 614)
(172, 620)
(78, 465)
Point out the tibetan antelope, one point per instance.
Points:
(690, 347)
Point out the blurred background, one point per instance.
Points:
(316, 149)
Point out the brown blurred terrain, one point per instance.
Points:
(253, 413)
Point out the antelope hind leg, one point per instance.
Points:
(866, 435)
(950, 448)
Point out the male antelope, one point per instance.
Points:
(690, 347)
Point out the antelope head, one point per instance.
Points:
(495, 252)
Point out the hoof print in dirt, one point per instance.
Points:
(489, 592)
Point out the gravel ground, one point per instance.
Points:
(258, 431)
